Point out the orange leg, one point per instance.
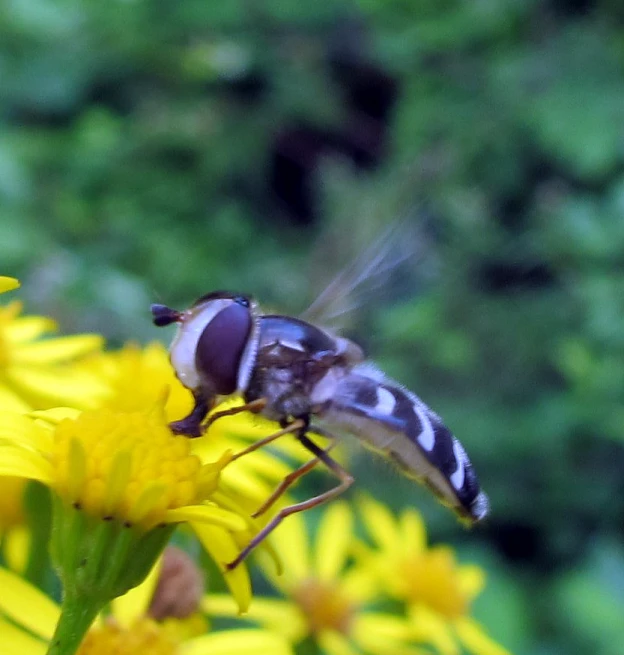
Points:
(254, 406)
(346, 480)
(284, 485)
(293, 427)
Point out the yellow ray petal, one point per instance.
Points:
(16, 548)
(334, 535)
(237, 642)
(55, 415)
(206, 514)
(11, 402)
(24, 464)
(275, 613)
(383, 634)
(27, 328)
(59, 349)
(223, 549)
(380, 523)
(290, 540)
(8, 283)
(20, 429)
(471, 580)
(243, 481)
(135, 603)
(17, 642)
(57, 385)
(360, 583)
(27, 606)
(475, 639)
(414, 533)
(430, 627)
(334, 643)
(266, 464)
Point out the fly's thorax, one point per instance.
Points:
(215, 345)
(292, 334)
(293, 359)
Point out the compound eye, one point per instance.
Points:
(220, 348)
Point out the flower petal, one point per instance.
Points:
(20, 429)
(223, 548)
(57, 385)
(17, 547)
(384, 634)
(237, 642)
(59, 349)
(475, 639)
(430, 627)
(292, 547)
(334, 643)
(380, 523)
(277, 614)
(17, 642)
(27, 606)
(24, 464)
(8, 283)
(135, 603)
(11, 402)
(27, 328)
(471, 580)
(333, 538)
(206, 514)
(413, 531)
(55, 415)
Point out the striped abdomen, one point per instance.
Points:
(392, 420)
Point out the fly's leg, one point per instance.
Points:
(190, 425)
(284, 485)
(254, 407)
(295, 426)
(346, 480)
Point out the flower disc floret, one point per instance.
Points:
(128, 467)
(144, 636)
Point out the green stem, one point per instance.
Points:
(77, 615)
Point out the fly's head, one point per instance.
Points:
(215, 345)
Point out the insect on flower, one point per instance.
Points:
(295, 372)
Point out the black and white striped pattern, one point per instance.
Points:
(394, 421)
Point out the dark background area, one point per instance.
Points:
(153, 151)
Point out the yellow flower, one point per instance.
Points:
(436, 590)
(123, 477)
(325, 598)
(8, 283)
(136, 377)
(28, 617)
(38, 373)
(13, 532)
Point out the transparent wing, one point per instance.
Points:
(387, 266)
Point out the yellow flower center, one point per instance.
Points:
(126, 466)
(11, 501)
(143, 636)
(432, 578)
(325, 606)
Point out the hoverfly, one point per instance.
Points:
(294, 372)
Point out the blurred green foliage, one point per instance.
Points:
(134, 167)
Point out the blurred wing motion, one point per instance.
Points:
(397, 250)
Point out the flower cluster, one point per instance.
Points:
(93, 484)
